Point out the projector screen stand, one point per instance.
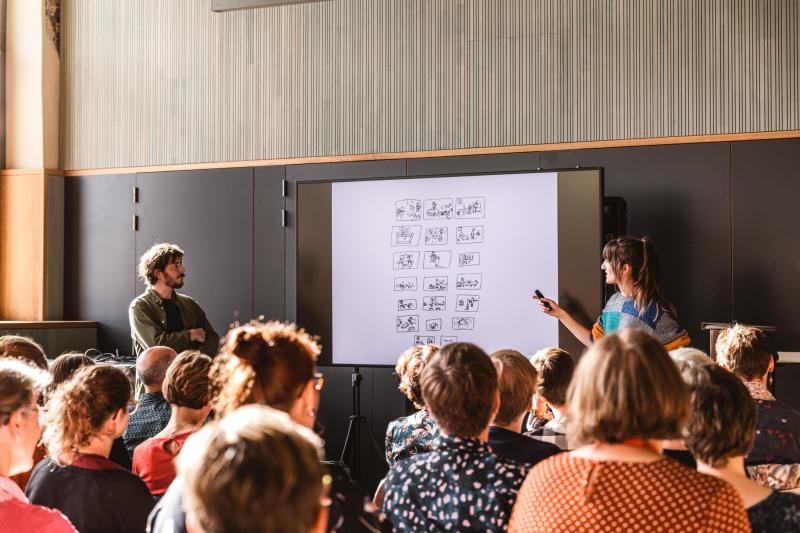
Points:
(352, 440)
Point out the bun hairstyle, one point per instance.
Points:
(80, 407)
(641, 255)
(264, 363)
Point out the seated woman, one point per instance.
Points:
(626, 396)
(64, 367)
(517, 380)
(416, 433)
(271, 364)
(186, 388)
(20, 387)
(554, 368)
(84, 417)
(460, 485)
(774, 460)
(253, 471)
(721, 431)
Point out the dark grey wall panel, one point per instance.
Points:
(766, 242)
(476, 163)
(268, 243)
(208, 213)
(679, 196)
(560, 159)
(99, 255)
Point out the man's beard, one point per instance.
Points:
(174, 283)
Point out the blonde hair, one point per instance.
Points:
(265, 363)
(744, 351)
(255, 470)
(516, 380)
(20, 385)
(186, 383)
(409, 369)
(80, 407)
(626, 386)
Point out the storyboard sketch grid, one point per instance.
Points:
(441, 260)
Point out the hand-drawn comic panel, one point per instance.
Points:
(435, 236)
(469, 281)
(434, 324)
(469, 259)
(405, 260)
(470, 207)
(405, 235)
(407, 323)
(467, 302)
(405, 284)
(434, 303)
(407, 304)
(448, 339)
(469, 234)
(424, 339)
(435, 284)
(438, 209)
(436, 259)
(463, 322)
(406, 210)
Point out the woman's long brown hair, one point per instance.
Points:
(641, 255)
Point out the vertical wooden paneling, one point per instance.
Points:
(156, 82)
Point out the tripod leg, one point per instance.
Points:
(348, 440)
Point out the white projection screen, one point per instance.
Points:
(384, 264)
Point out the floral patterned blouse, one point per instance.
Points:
(410, 435)
(458, 486)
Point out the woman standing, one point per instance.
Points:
(632, 265)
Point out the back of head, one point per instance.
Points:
(723, 418)
(744, 351)
(20, 385)
(24, 348)
(687, 358)
(255, 470)
(266, 363)
(626, 386)
(640, 254)
(409, 369)
(152, 364)
(79, 408)
(157, 258)
(516, 379)
(555, 368)
(187, 383)
(459, 386)
(66, 364)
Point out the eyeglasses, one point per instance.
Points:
(319, 381)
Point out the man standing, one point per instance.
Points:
(161, 316)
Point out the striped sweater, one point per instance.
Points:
(620, 312)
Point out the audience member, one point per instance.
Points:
(186, 388)
(24, 348)
(28, 350)
(152, 412)
(272, 364)
(459, 485)
(255, 470)
(64, 366)
(554, 368)
(84, 416)
(626, 396)
(416, 433)
(720, 432)
(774, 460)
(685, 359)
(517, 383)
(20, 387)
(161, 316)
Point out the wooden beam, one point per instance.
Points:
(23, 207)
(583, 145)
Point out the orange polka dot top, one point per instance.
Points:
(566, 493)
